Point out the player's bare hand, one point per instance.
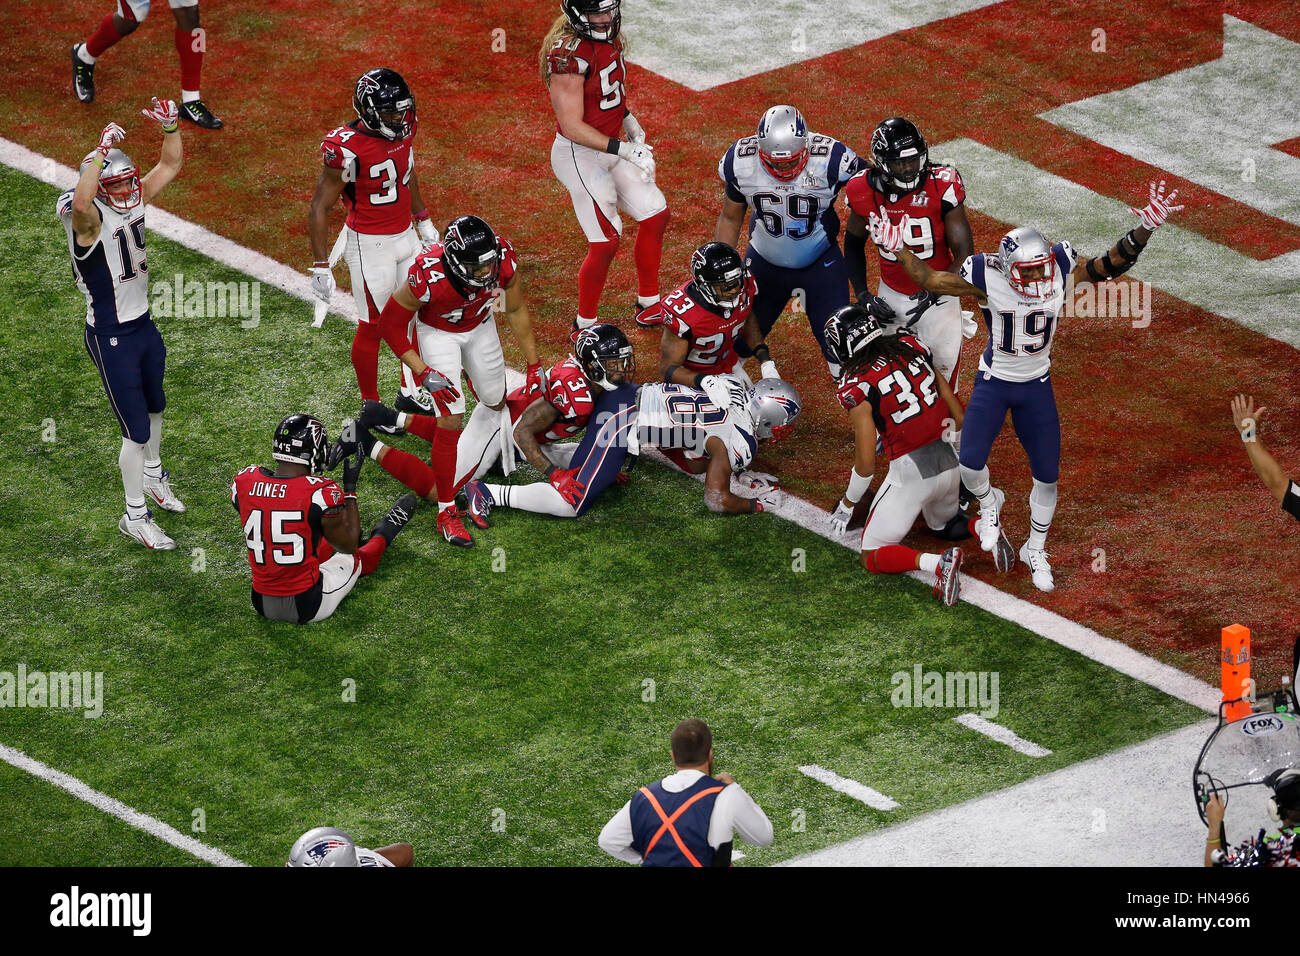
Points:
(1214, 809)
(640, 155)
(1159, 207)
(1246, 416)
(887, 235)
(110, 137)
(165, 112)
(840, 517)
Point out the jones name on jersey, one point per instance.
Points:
(791, 224)
(1020, 332)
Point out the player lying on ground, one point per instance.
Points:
(104, 219)
(553, 412)
(890, 388)
(1021, 290)
(904, 182)
(302, 530)
(370, 163)
(786, 178)
(453, 289)
(722, 425)
(329, 846)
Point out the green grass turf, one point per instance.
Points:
(477, 690)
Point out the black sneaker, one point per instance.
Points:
(83, 77)
(377, 415)
(396, 519)
(414, 406)
(200, 115)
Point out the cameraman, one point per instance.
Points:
(1274, 849)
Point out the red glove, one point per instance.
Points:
(534, 383)
(622, 478)
(566, 482)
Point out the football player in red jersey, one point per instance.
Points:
(454, 288)
(370, 162)
(191, 43)
(890, 388)
(904, 182)
(302, 530)
(581, 63)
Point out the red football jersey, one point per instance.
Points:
(712, 336)
(600, 64)
(565, 387)
(941, 191)
(282, 526)
(375, 174)
(442, 305)
(904, 400)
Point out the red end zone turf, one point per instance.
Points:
(1152, 472)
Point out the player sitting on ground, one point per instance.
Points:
(302, 530)
(890, 387)
(330, 846)
(722, 424)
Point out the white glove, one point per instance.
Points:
(969, 328)
(110, 137)
(885, 234)
(723, 390)
(756, 481)
(770, 499)
(322, 282)
(165, 113)
(633, 129)
(840, 518)
(1159, 207)
(768, 370)
(640, 155)
(426, 230)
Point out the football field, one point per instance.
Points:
(495, 705)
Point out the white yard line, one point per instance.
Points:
(100, 801)
(1002, 735)
(858, 791)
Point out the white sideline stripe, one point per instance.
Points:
(218, 248)
(100, 801)
(1047, 624)
(1002, 735)
(858, 791)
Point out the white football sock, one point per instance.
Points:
(1042, 507)
(84, 55)
(539, 497)
(643, 301)
(582, 323)
(152, 448)
(928, 562)
(977, 483)
(131, 460)
(190, 96)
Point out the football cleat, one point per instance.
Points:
(377, 415)
(479, 502)
(947, 578)
(988, 525)
(398, 515)
(83, 77)
(1004, 555)
(419, 402)
(1036, 558)
(648, 316)
(147, 532)
(161, 492)
(453, 529)
(198, 114)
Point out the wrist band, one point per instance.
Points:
(755, 506)
(857, 486)
(171, 129)
(549, 471)
(613, 146)
(320, 263)
(696, 382)
(349, 496)
(422, 214)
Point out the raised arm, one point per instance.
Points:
(889, 236)
(1124, 253)
(1246, 417)
(166, 113)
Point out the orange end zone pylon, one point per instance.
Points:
(1234, 661)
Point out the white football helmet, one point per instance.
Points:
(774, 405)
(783, 142)
(1026, 250)
(323, 846)
(118, 169)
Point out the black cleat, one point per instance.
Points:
(964, 497)
(83, 77)
(200, 115)
(957, 529)
(377, 415)
(414, 406)
(396, 519)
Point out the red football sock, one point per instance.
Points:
(422, 426)
(409, 470)
(370, 553)
(678, 458)
(647, 252)
(592, 275)
(892, 559)
(190, 47)
(443, 457)
(104, 36)
(324, 550)
(365, 358)
(970, 526)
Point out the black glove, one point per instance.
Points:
(351, 471)
(880, 310)
(923, 299)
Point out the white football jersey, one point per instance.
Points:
(678, 416)
(1020, 333)
(371, 858)
(790, 224)
(112, 273)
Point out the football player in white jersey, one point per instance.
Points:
(1020, 290)
(722, 425)
(786, 179)
(104, 218)
(330, 846)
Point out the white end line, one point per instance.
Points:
(1002, 735)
